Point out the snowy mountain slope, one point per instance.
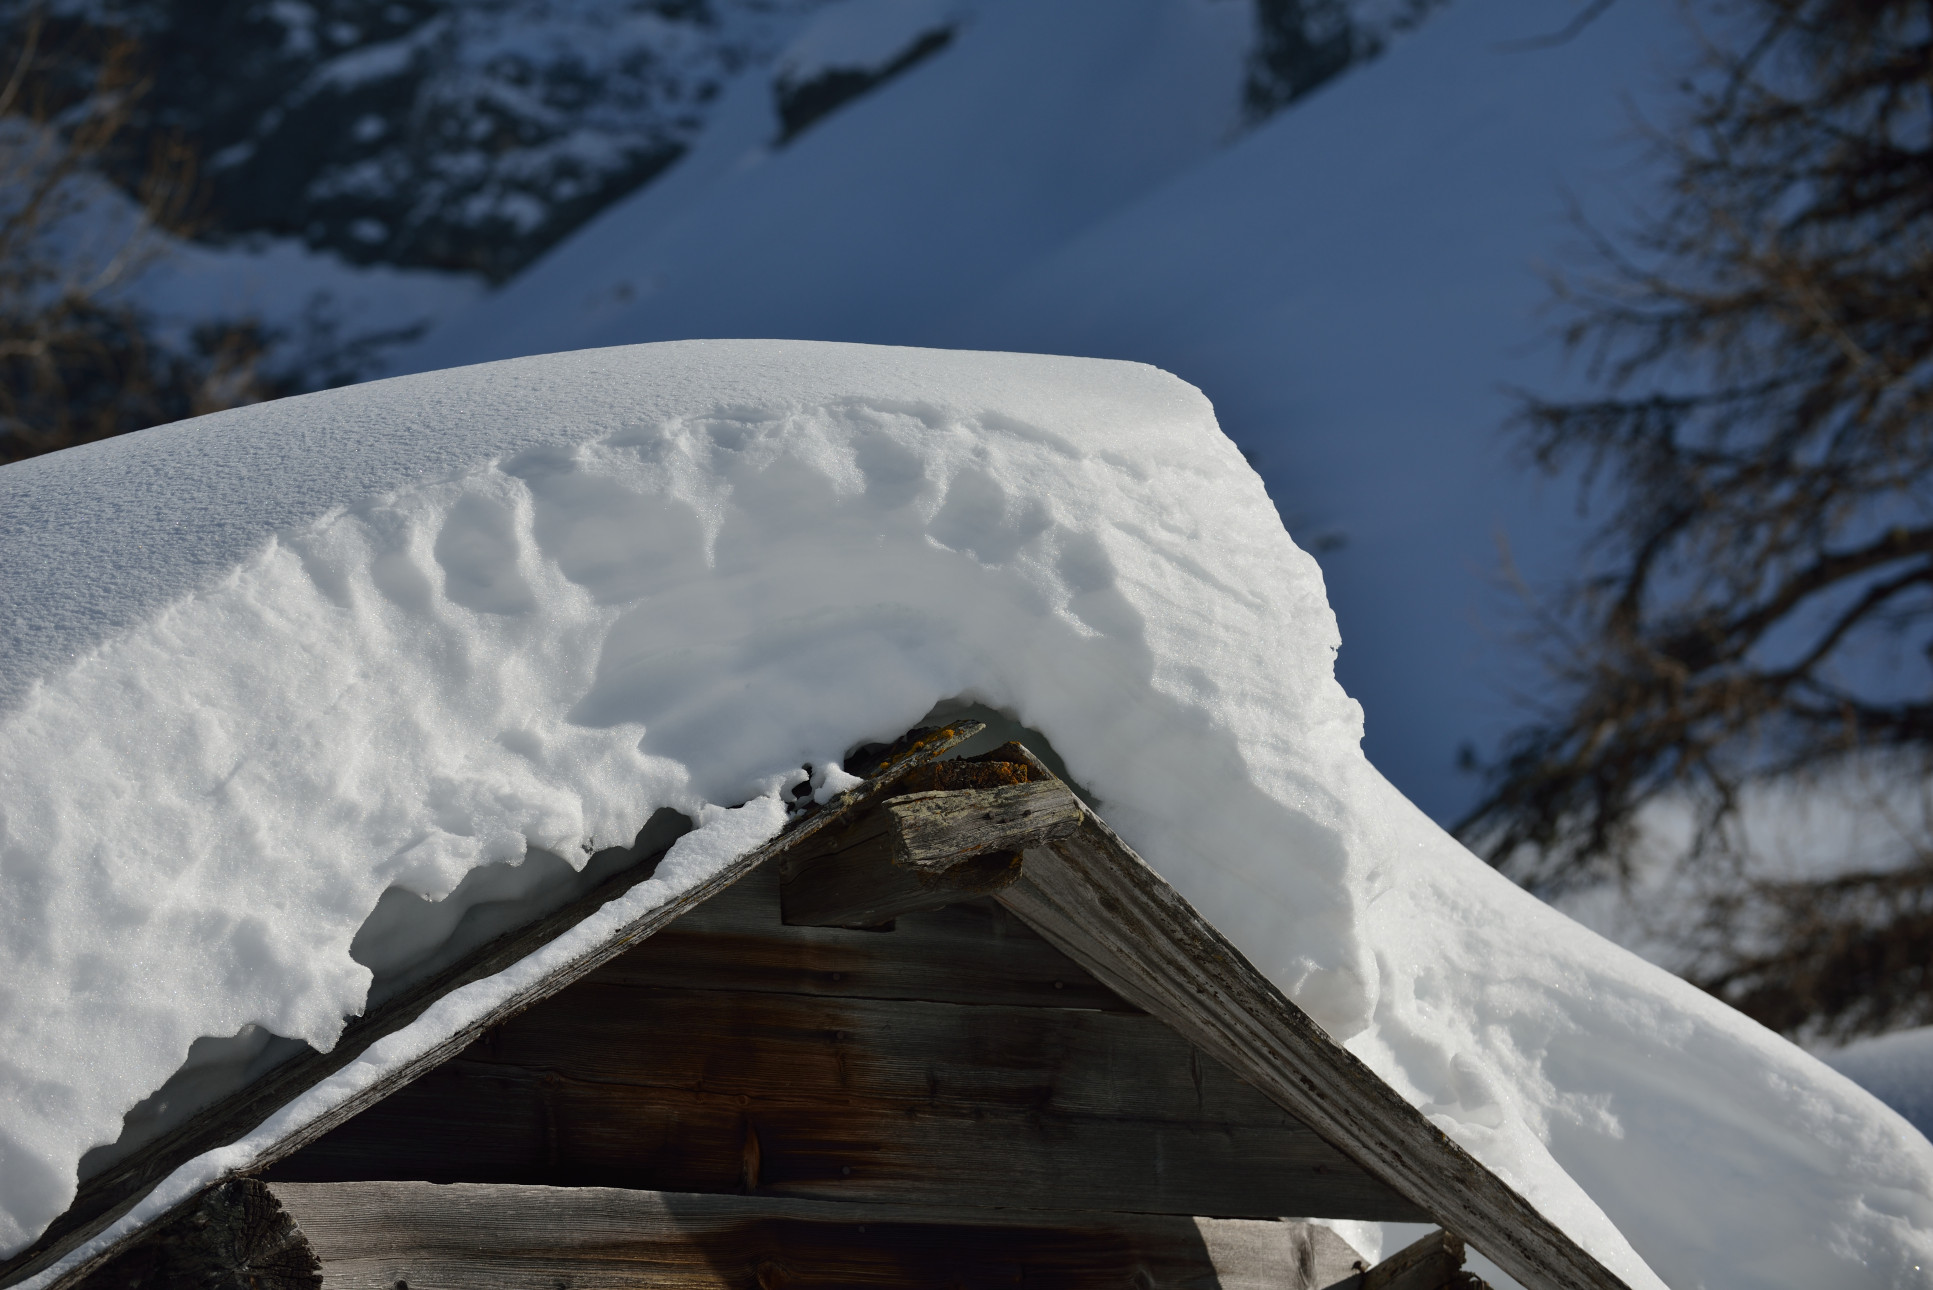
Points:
(451, 134)
(466, 138)
(1035, 121)
(1352, 283)
(471, 135)
(290, 656)
(326, 321)
(1358, 286)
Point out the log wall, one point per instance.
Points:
(536, 1238)
(957, 1060)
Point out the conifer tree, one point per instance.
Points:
(78, 361)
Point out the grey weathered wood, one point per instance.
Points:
(925, 851)
(113, 1192)
(373, 1236)
(973, 951)
(882, 1100)
(1260, 1256)
(867, 888)
(809, 1051)
(236, 1237)
(937, 830)
(1434, 1262)
(1092, 896)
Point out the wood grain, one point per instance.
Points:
(868, 888)
(972, 951)
(235, 1237)
(848, 1098)
(937, 830)
(1434, 1262)
(373, 1236)
(926, 850)
(114, 1191)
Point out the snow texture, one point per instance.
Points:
(259, 667)
(1355, 281)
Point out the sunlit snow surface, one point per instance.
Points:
(260, 666)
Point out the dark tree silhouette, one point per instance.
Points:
(77, 361)
(1756, 622)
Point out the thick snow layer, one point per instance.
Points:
(722, 835)
(262, 666)
(1356, 281)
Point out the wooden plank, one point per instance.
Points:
(971, 952)
(880, 1100)
(937, 830)
(1258, 1256)
(868, 889)
(1091, 895)
(1435, 1262)
(861, 828)
(108, 1195)
(236, 1237)
(566, 1134)
(858, 1067)
(802, 1050)
(937, 848)
(376, 1236)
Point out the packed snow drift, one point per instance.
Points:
(260, 667)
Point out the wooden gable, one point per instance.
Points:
(957, 1060)
(947, 1031)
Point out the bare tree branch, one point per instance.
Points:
(1757, 608)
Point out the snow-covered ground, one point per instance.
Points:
(258, 668)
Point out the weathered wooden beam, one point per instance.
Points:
(115, 1190)
(376, 1236)
(937, 830)
(1434, 1262)
(236, 1237)
(926, 851)
(1101, 904)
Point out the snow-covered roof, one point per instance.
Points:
(259, 667)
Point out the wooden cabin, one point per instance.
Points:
(946, 1031)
